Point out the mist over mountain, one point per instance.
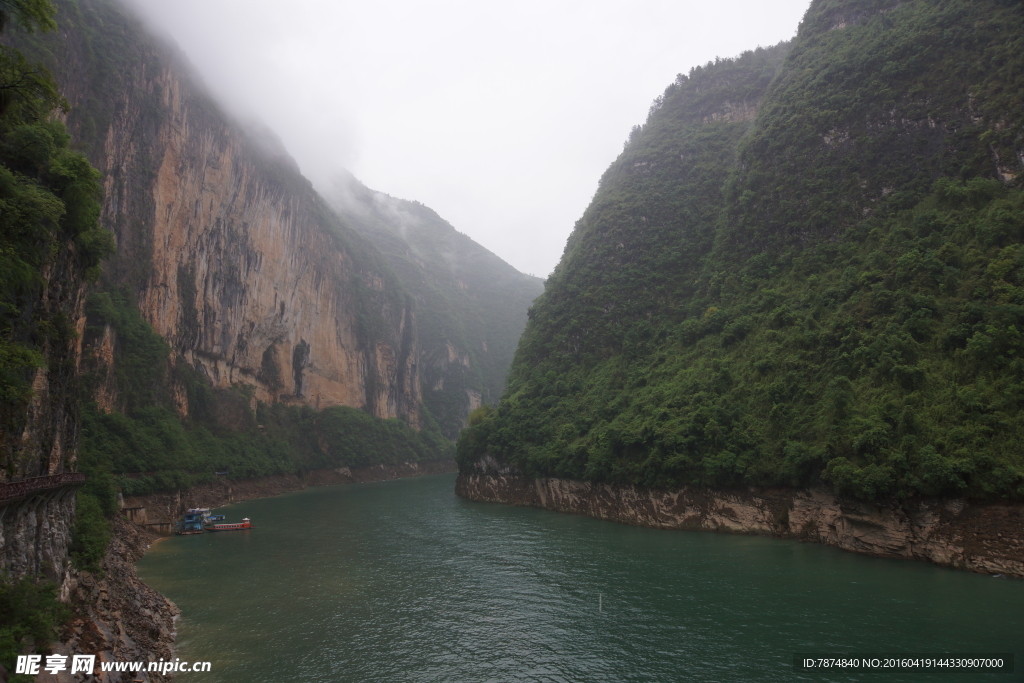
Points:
(243, 325)
(471, 305)
(794, 307)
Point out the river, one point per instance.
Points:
(403, 581)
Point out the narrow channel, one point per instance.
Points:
(403, 581)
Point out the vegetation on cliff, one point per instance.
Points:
(29, 614)
(830, 289)
(50, 244)
(50, 239)
(145, 446)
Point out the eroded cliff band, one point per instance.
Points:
(951, 533)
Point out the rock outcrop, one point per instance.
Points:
(951, 533)
(117, 617)
(35, 528)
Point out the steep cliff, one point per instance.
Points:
(251, 278)
(804, 270)
(50, 245)
(242, 326)
(228, 251)
(471, 305)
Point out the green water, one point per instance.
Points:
(403, 581)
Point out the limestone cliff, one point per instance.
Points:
(229, 252)
(237, 262)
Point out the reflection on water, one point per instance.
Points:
(403, 581)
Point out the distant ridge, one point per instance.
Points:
(471, 304)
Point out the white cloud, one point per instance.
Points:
(499, 117)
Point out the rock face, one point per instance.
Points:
(35, 532)
(41, 438)
(952, 533)
(251, 286)
(48, 440)
(231, 255)
(35, 535)
(248, 274)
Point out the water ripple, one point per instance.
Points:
(402, 581)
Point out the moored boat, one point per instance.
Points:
(244, 524)
(193, 521)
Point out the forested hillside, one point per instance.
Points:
(806, 267)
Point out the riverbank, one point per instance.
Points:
(158, 510)
(117, 617)
(952, 533)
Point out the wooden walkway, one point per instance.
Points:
(16, 490)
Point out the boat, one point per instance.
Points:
(244, 524)
(198, 520)
(193, 521)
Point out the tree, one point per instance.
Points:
(28, 14)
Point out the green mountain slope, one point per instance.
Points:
(471, 305)
(805, 266)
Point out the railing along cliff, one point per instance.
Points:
(21, 489)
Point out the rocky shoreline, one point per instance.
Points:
(116, 616)
(953, 533)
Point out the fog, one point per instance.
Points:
(499, 117)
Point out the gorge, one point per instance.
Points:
(243, 326)
(792, 309)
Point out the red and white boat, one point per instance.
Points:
(244, 524)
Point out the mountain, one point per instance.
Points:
(804, 270)
(242, 325)
(471, 305)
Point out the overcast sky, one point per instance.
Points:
(499, 117)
